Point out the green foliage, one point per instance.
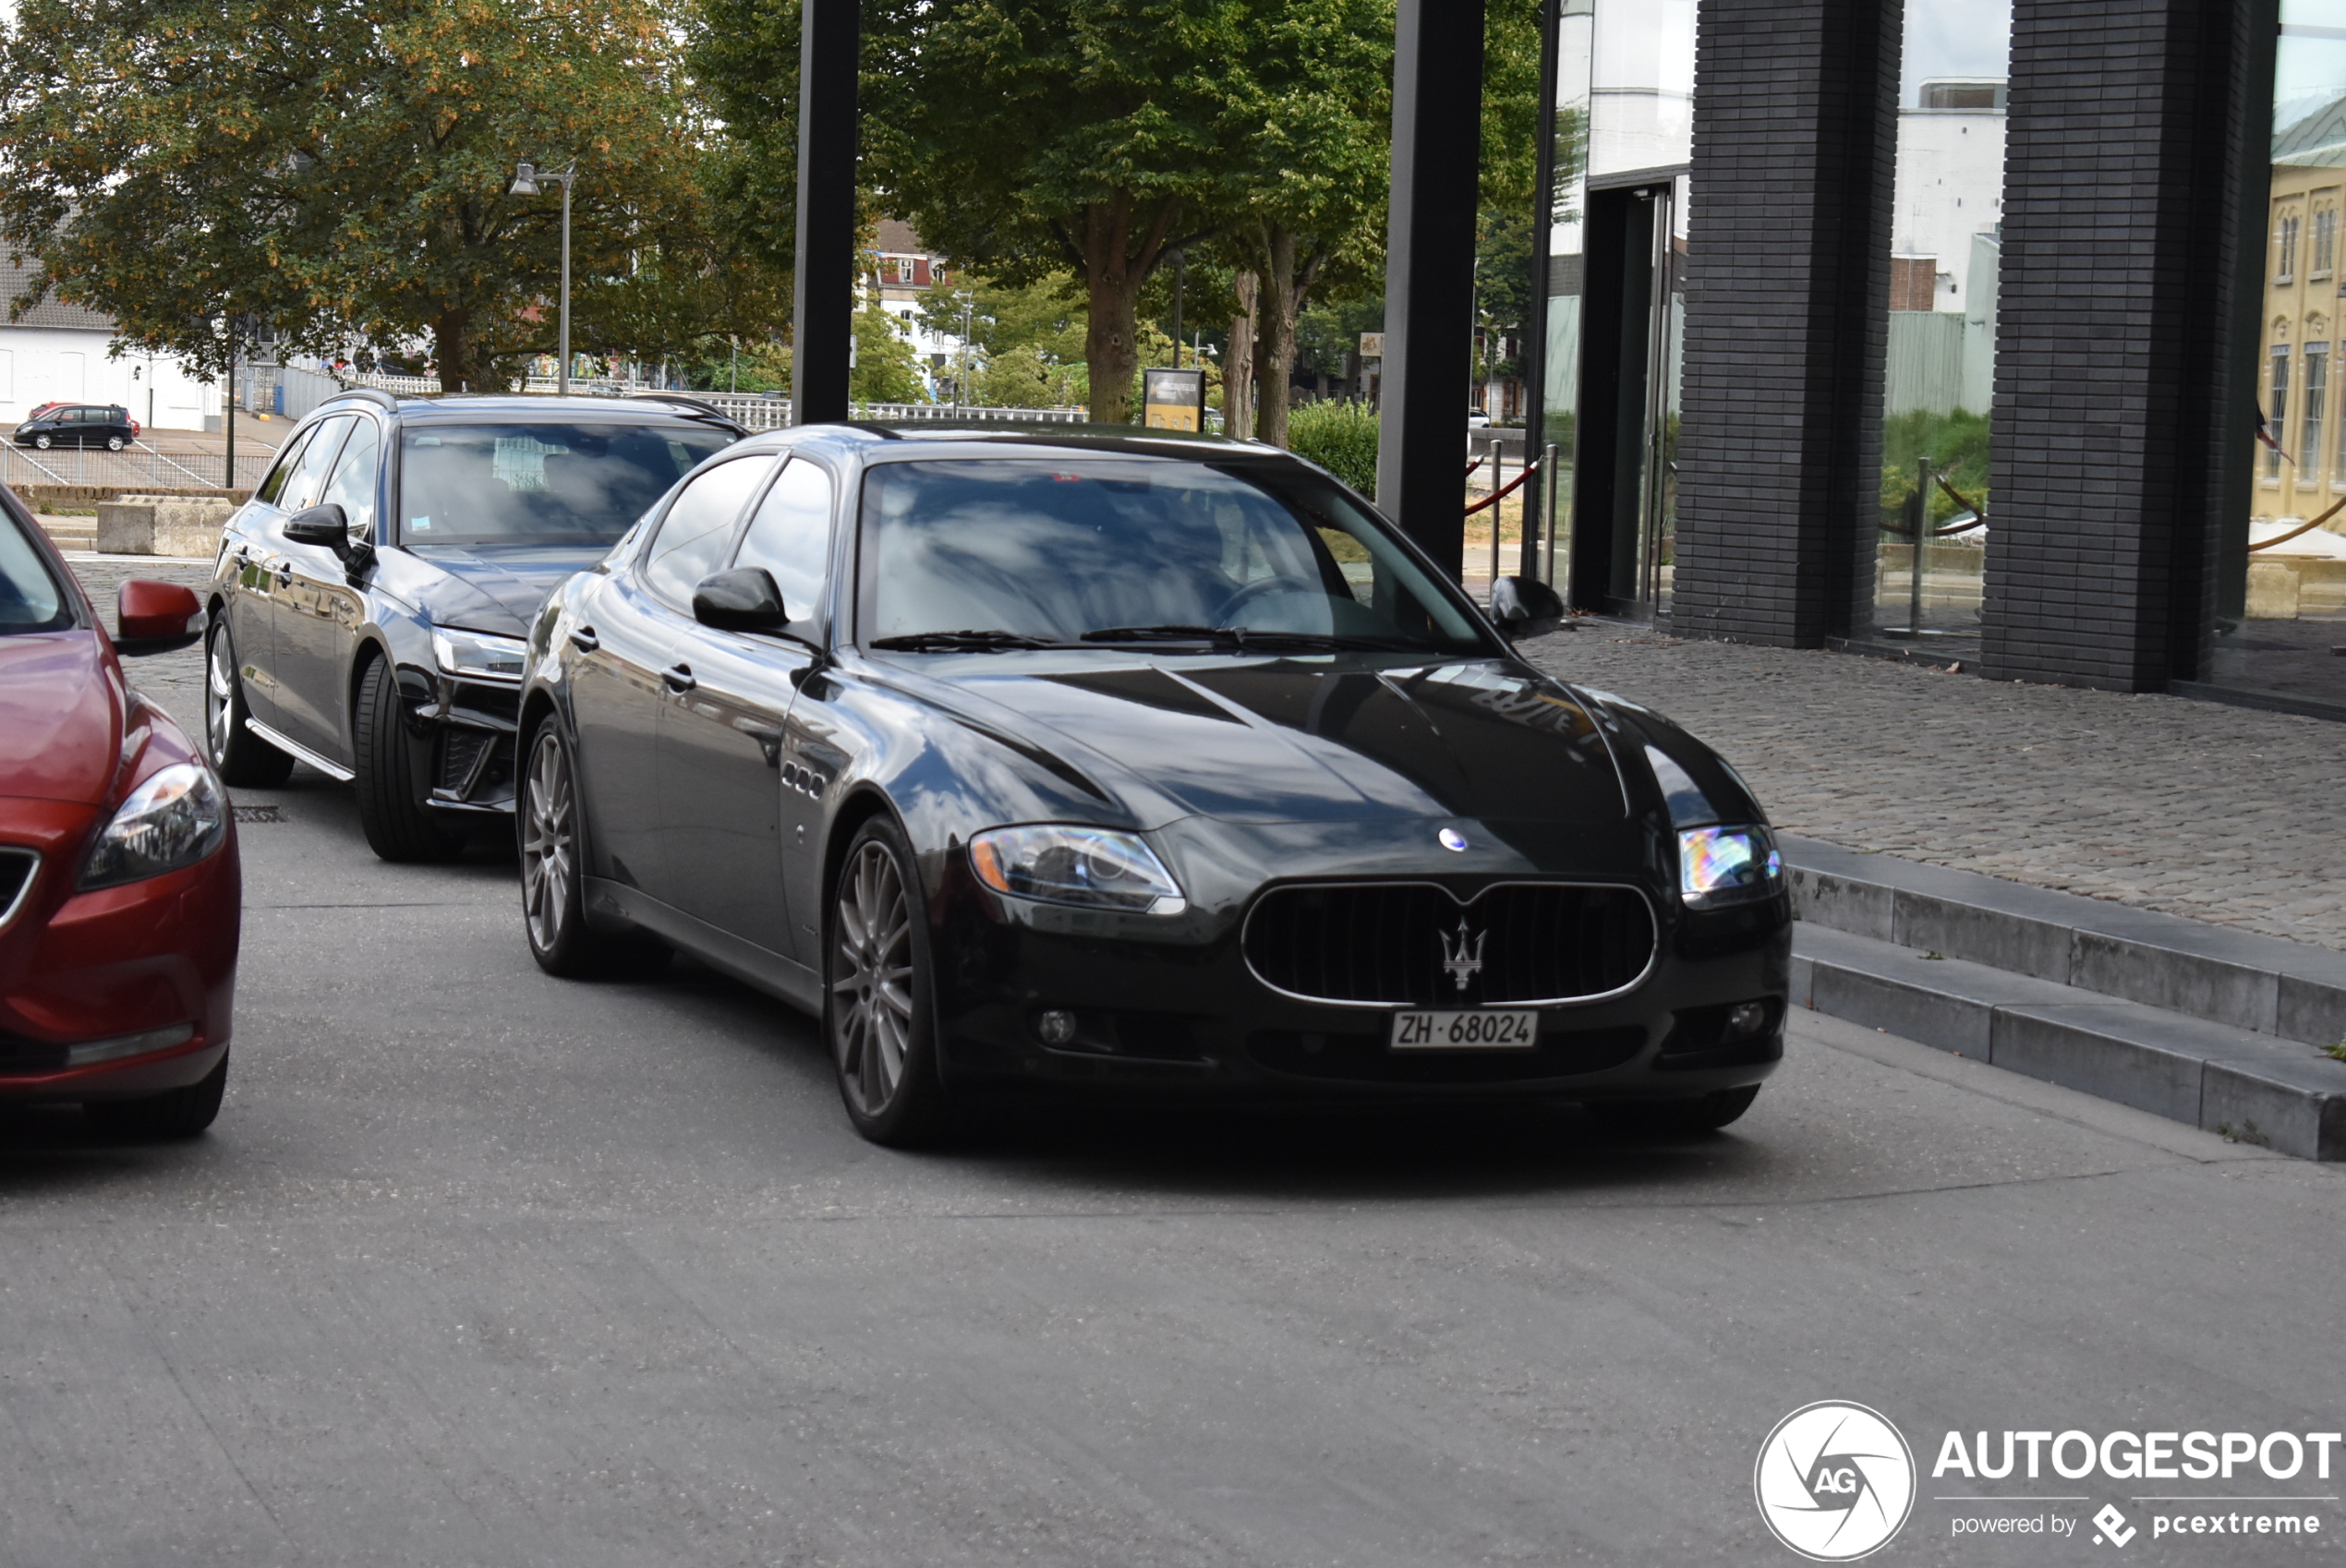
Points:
(743, 58)
(886, 369)
(1326, 334)
(343, 168)
(1957, 446)
(1341, 437)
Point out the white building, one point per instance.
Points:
(1950, 179)
(57, 354)
(900, 272)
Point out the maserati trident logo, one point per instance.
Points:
(1460, 962)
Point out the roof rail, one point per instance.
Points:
(377, 394)
(696, 405)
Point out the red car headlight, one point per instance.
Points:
(175, 819)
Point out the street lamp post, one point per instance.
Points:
(527, 178)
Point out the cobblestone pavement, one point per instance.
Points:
(2222, 813)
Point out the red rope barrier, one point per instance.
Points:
(1499, 495)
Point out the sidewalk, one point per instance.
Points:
(2220, 813)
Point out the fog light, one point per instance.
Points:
(1748, 1018)
(1056, 1027)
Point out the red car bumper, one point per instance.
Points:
(122, 992)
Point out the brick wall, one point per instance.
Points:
(2118, 410)
(1787, 287)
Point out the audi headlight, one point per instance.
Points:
(1090, 866)
(478, 654)
(1727, 866)
(173, 819)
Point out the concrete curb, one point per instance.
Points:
(1930, 984)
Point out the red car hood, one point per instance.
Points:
(61, 716)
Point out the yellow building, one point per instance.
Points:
(2303, 325)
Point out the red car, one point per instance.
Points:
(121, 895)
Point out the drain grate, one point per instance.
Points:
(260, 813)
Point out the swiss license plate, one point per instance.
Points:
(1478, 1028)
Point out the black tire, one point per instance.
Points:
(1676, 1118)
(548, 815)
(879, 1011)
(392, 764)
(241, 758)
(116, 443)
(43, 442)
(176, 1113)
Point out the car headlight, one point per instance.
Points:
(479, 655)
(173, 819)
(1727, 866)
(1092, 866)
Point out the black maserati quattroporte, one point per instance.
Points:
(1142, 763)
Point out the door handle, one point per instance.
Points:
(679, 677)
(583, 638)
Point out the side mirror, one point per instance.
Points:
(152, 617)
(743, 599)
(323, 524)
(1525, 606)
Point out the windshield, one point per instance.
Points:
(540, 484)
(1104, 551)
(31, 599)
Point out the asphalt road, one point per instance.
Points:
(480, 1267)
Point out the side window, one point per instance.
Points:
(791, 536)
(352, 484)
(287, 460)
(308, 479)
(699, 528)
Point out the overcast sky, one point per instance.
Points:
(1950, 37)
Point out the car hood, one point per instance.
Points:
(61, 708)
(489, 588)
(1313, 738)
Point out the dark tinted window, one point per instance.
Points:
(1059, 548)
(540, 484)
(31, 599)
(698, 528)
(287, 460)
(791, 536)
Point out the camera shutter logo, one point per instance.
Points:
(1834, 1481)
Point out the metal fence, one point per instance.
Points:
(133, 468)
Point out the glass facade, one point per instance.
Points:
(2291, 580)
(1939, 381)
(1615, 331)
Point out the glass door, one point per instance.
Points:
(1632, 339)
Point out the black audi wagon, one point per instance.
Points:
(368, 604)
(1041, 758)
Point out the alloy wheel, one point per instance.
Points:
(549, 842)
(220, 697)
(872, 991)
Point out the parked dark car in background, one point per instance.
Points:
(369, 601)
(1146, 763)
(120, 891)
(79, 424)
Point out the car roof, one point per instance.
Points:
(473, 408)
(883, 439)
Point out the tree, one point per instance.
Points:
(743, 58)
(339, 171)
(1309, 133)
(1033, 137)
(885, 365)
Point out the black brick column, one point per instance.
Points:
(1787, 287)
(2120, 415)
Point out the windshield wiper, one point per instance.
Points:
(963, 642)
(1239, 637)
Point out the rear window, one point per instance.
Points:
(540, 484)
(31, 598)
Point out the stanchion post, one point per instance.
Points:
(1498, 454)
(1548, 502)
(1922, 532)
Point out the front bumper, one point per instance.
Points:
(142, 977)
(466, 730)
(1169, 1018)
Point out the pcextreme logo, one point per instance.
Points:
(1834, 1481)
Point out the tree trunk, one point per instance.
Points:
(1110, 338)
(1237, 374)
(1276, 362)
(451, 350)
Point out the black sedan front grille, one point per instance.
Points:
(1413, 945)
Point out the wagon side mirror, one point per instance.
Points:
(1525, 606)
(744, 600)
(323, 524)
(152, 617)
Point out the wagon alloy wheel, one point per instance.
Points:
(549, 843)
(241, 758)
(879, 1010)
